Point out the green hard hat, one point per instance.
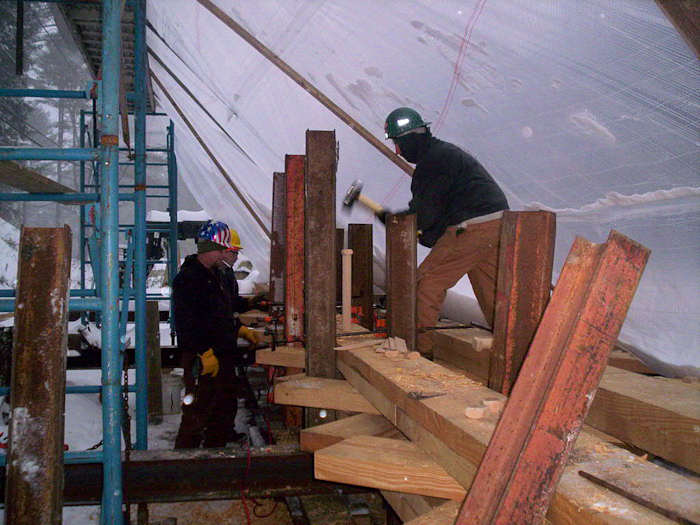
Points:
(402, 120)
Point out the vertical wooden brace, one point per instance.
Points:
(34, 482)
(320, 264)
(401, 270)
(557, 383)
(360, 242)
(526, 255)
(277, 238)
(294, 285)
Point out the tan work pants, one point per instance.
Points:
(473, 251)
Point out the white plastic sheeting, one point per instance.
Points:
(588, 108)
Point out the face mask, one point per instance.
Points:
(411, 146)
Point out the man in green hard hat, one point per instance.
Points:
(459, 208)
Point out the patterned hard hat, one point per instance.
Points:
(219, 233)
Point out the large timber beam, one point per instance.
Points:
(278, 238)
(319, 261)
(35, 446)
(438, 426)
(551, 397)
(655, 414)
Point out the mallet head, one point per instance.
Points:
(352, 194)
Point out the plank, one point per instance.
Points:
(320, 392)
(34, 472)
(559, 377)
(438, 426)
(656, 414)
(385, 463)
(289, 356)
(314, 438)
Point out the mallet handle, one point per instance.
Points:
(375, 207)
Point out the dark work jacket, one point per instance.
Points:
(204, 304)
(448, 187)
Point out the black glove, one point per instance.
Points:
(381, 215)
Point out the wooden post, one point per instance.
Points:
(155, 373)
(34, 475)
(347, 289)
(360, 242)
(339, 245)
(558, 381)
(320, 264)
(277, 239)
(401, 253)
(524, 277)
(294, 282)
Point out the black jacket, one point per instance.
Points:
(204, 306)
(448, 187)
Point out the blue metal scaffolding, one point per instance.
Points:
(100, 201)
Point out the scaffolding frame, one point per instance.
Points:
(103, 198)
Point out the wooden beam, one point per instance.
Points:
(24, 179)
(34, 484)
(439, 427)
(360, 242)
(278, 238)
(550, 399)
(314, 438)
(294, 273)
(320, 392)
(524, 276)
(656, 414)
(319, 260)
(685, 16)
(385, 463)
(407, 506)
(401, 271)
(306, 85)
(288, 356)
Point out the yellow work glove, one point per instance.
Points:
(210, 363)
(253, 337)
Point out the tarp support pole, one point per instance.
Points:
(310, 88)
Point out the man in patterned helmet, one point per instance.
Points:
(206, 304)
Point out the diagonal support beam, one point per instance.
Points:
(557, 383)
